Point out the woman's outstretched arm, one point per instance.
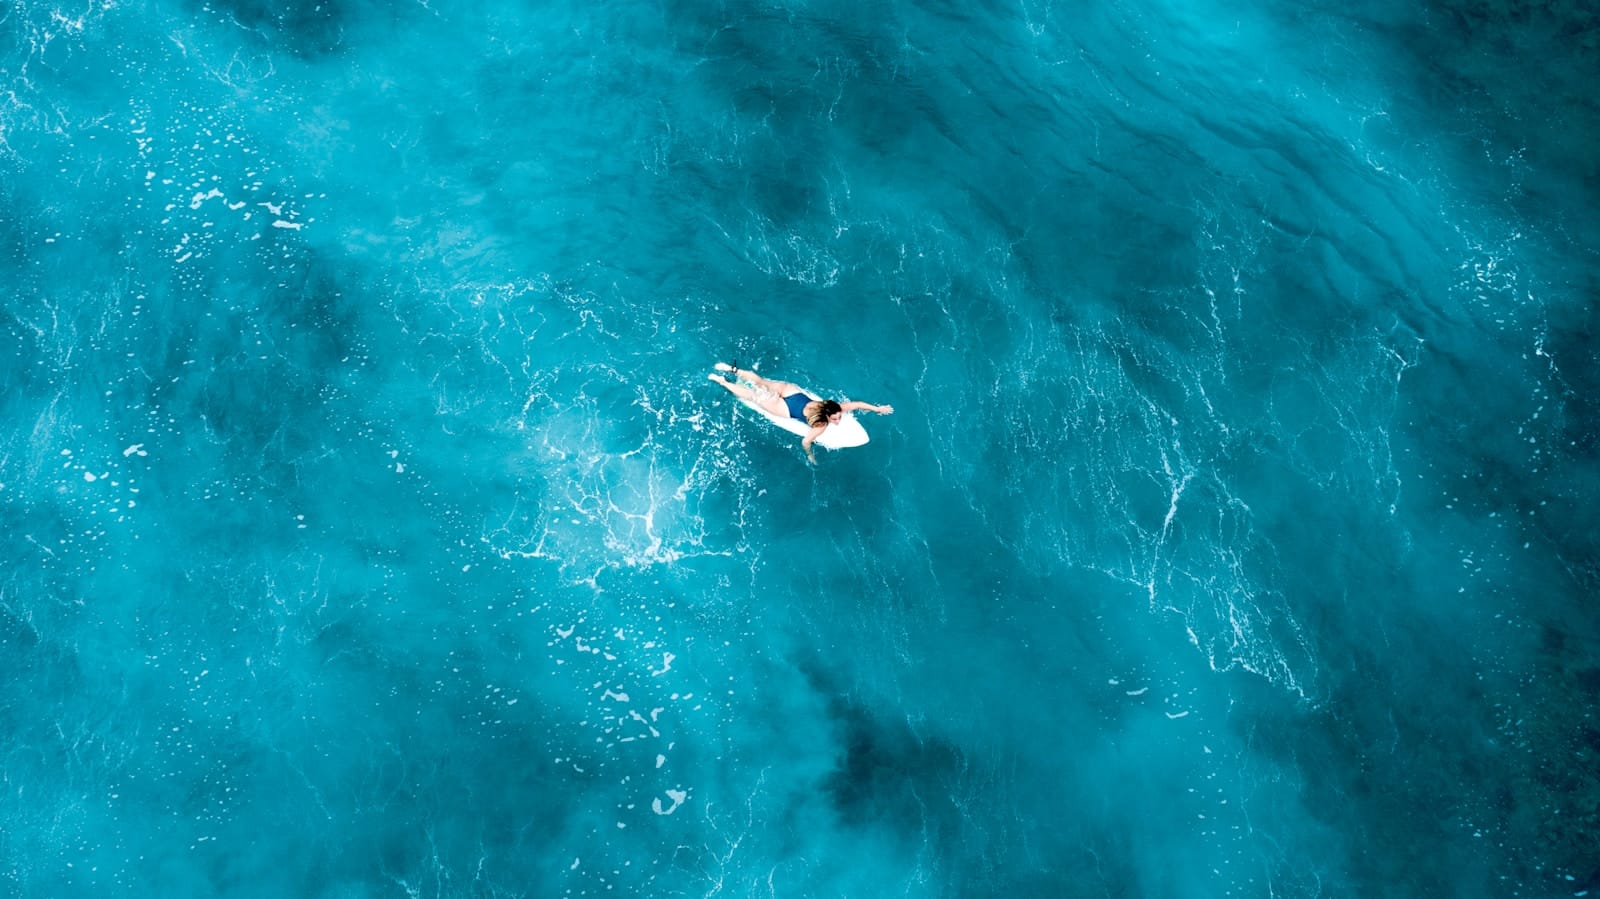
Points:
(853, 405)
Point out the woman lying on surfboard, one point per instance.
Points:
(786, 400)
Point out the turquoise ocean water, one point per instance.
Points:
(371, 528)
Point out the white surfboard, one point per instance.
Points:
(847, 433)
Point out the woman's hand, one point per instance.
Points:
(810, 438)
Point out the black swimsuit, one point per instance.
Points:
(797, 405)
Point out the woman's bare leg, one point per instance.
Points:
(760, 384)
(735, 388)
(764, 392)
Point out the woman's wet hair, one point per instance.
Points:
(819, 411)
